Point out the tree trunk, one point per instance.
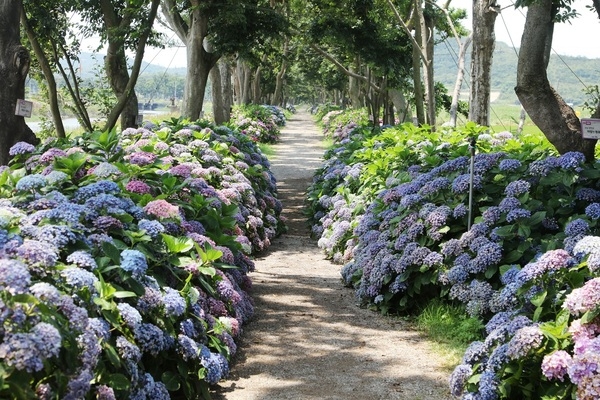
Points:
(217, 95)
(427, 26)
(354, 85)
(460, 75)
(226, 89)
(279, 80)
(418, 89)
(220, 78)
(484, 18)
(14, 66)
(115, 63)
(48, 76)
(401, 105)
(545, 107)
(256, 92)
(199, 60)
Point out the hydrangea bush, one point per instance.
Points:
(125, 259)
(525, 259)
(261, 123)
(545, 346)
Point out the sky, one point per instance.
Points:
(574, 39)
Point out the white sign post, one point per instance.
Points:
(590, 128)
(24, 108)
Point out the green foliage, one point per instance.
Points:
(449, 323)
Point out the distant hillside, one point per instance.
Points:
(90, 61)
(567, 75)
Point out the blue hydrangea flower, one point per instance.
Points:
(458, 378)
(577, 227)
(44, 291)
(56, 177)
(517, 214)
(150, 338)
(174, 303)
(517, 188)
(27, 351)
(79, 386)
(460, 211)
(14, 276)
(29, 183)
(509, 203)
(134, 261)
(80, 278)
(571, 160)
(128, 350)
(188, 347)
(593, 210)
(94, 189)
(509, 164)
(82, 259)
(130, 315)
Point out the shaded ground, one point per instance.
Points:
(308, 339)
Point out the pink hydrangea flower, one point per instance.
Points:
(138, 187)
(162, 209)
(554, 366)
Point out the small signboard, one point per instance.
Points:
(590, 128)
(24, 108)
(139, 119)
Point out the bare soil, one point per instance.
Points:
(309, 339)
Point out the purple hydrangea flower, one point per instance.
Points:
(554, 366)
(525, 340)
(14, 276)
(583, 299)
(509, 164)
(21, 148)
(458, 378)
(517, 188)
(137, 186)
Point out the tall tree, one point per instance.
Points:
(126, 24)
(14, 66)
(212, 28)
(484, 40)
(546, 108)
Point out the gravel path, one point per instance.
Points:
(309, 339)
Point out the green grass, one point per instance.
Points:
(267, 149)
(450, 328)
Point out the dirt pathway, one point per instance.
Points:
(308, 339)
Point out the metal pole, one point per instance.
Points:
(471, 179)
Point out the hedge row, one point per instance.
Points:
(393, 206)
(125, 258)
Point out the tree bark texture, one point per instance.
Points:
(484, 18)
(220, 77)
(14, 66)
(545, 107)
